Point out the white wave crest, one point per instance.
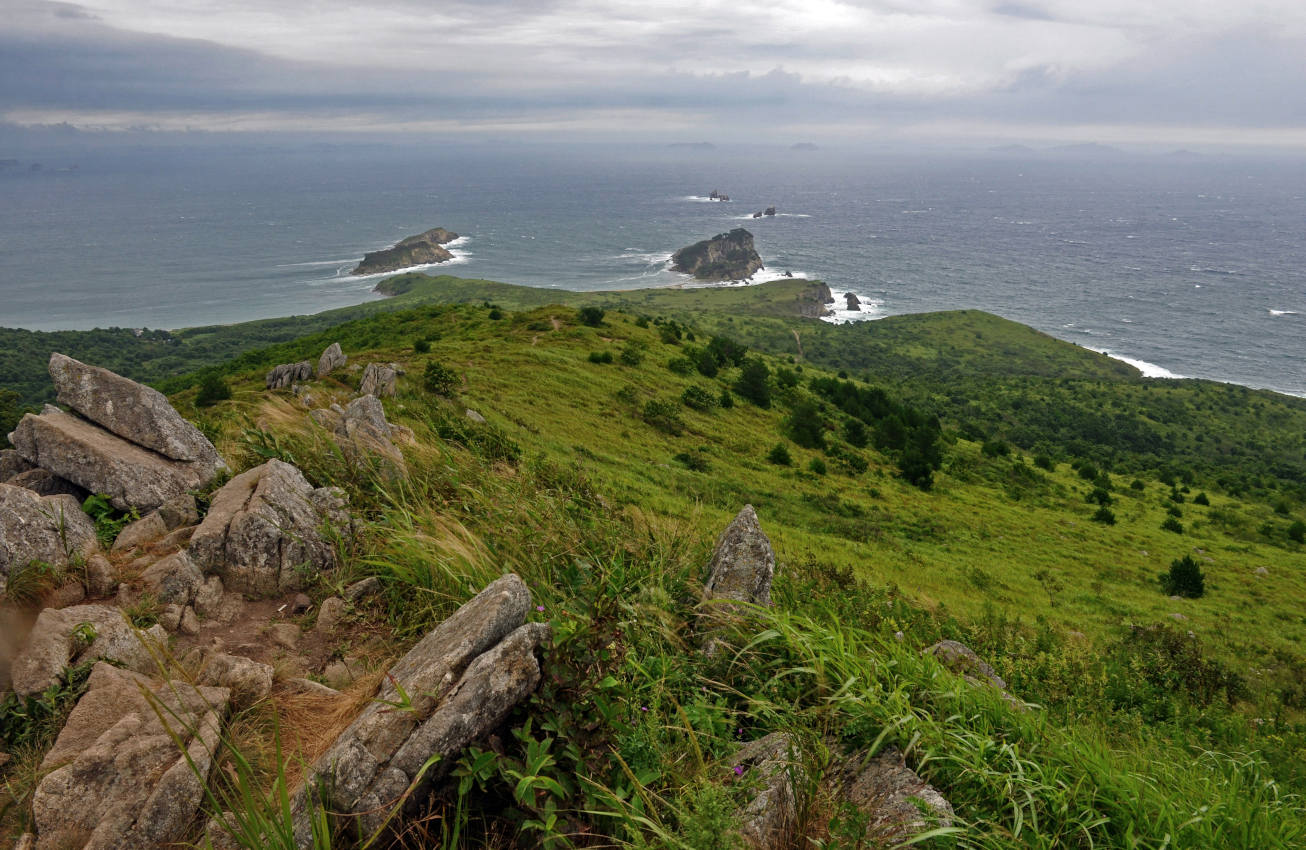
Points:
(1274, 312)
(1149, 370)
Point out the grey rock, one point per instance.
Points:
(284, 635)
(963, 661)
(301, 604)
(378, 380)
(174, 579)
(462, 679)
(363, 434)
(132, 411)
(170, 616)
(308, 686)
(189, 624)
(332, 358)
(475, 417)
(365, 587)
(249, 681)
(117, 779)
(773, 763)
(45, 483)
(854, 303)
(69, 593)
(208, 598)
(1262, 571)
(12, 463)
(743, 563)
(179, 512)
(893, 796)
(145, 530)
(329, 614)
(342, 673)
(101, 577)
(58, 638)
(174, 539)
(287, 373)
(262, 532)
(51, 529)
(102, 462)
(26, 841)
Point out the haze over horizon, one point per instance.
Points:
(1216, 75)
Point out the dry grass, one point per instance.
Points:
(310, 722)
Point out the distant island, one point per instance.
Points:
(803, 146)
(420, 250)
(726, 256)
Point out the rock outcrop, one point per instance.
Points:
(50, 529)
(131, 445)
(854, 303)
(379, 380)
(771, 764)
(363, 434)
(117, 778)
(963, 661)
(42, 482)
(332, 358)
(812, 300)
(462, 679)
(898, 803)
(420, 250)
(67, 635)
(743, 564)
(11, 464)
(288, 373)
(261, 534)
(726, 256)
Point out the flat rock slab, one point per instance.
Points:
(65, 635)
(133, 411)
(462, 679)
(118, 779)
(102, 462)
(50, 529)
(261, 534)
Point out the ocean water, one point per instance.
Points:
(1183, 266)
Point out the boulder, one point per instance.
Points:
(119, 778)
(462, 680)
(329, 614)
(174, 579)
(362, 588)
(249, 681)
(963, 661)
(288, 373)
(208, 597)
(475, 416)
(332, 358)
(772, 765)
(132, 411)
(51, 529)
(898, 803)
(743, 563)
(101, 577)
(378, 380)
(145, 530)
(45, 483)
(362, 432)
(12, 463)
(179, 512)
(102, 462)
(67, 635)
(262, 532)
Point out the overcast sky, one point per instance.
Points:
(1174, 72)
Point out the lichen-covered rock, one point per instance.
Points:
(118, 780)
(363, 434)
(898, 803)
(11, 464)
(773, 766)
(145, 530)
(63, 636)
(42, 482)
(288, 373)
(101, 577)
(262, 532)
(132, 411)
(179, 512)
(963, 661)
(329, 614)
(462, 680)
(378, 380)
(50, 529)
(743, 563)
(249, 681)
(332, 358)
(174, 579)
(102, 462)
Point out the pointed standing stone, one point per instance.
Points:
(743, 563)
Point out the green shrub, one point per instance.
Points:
(1137, 484)
(695, 461)
(727, 400)
(421, 346)
(1202, 499)
(1185, 578)
(706, 363)
(1099, 496)
(663, 415)
(681, 365)
(995, 448)
(1174, 511)
(805, 425)
(754, 382)
(1172, 524)
(816, 465)
(1044, 462)
(632, 354)
(1105, 516)
(786, 377)
(439, 379)
(779, 455)
(212, 390)
(698, 398)
(1297, 532)
(495, 314)
(592, 316)
(601, 357)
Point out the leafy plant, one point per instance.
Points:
(591, 316)
(779, 455)
(698, 398)
(213, 389)
(663, 415)
(1185, 578)
(109, 521)
(439, 379)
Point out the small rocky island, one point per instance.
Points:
(726, 256)
(420, 250)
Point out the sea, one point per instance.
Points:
(1184, 265)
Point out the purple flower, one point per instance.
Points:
(539, 607)
(643, 708)
(739, 770)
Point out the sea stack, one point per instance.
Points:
(420, 250)
(726, 256)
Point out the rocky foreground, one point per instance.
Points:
(724, 257)
(420, 250)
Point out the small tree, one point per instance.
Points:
(439, 379)
(1172, 524)
(592, 316)
(1105, 516)
(754, 382)
(1297, 531)
(212, 390)
(421, 345)
(1184, 579)
(779, 455)
(805, 425)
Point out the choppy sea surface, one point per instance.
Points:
(1185, 266)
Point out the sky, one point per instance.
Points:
(1184, 73)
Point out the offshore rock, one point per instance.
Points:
(132, 411)
(332, 358)
(50, 529)
(102, 462)
(378, 380)
(898, 802)
(420, 250)
(462, 680)
(743, 563)
(118, 779)
(854, 303)
(726, 256)
(261, 534)
(288, 373)
(66, 635)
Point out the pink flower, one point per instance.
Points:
(739, 770)
(539, 607)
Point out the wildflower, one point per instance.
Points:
(643, 708)
(539, 607)
(739, 770)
